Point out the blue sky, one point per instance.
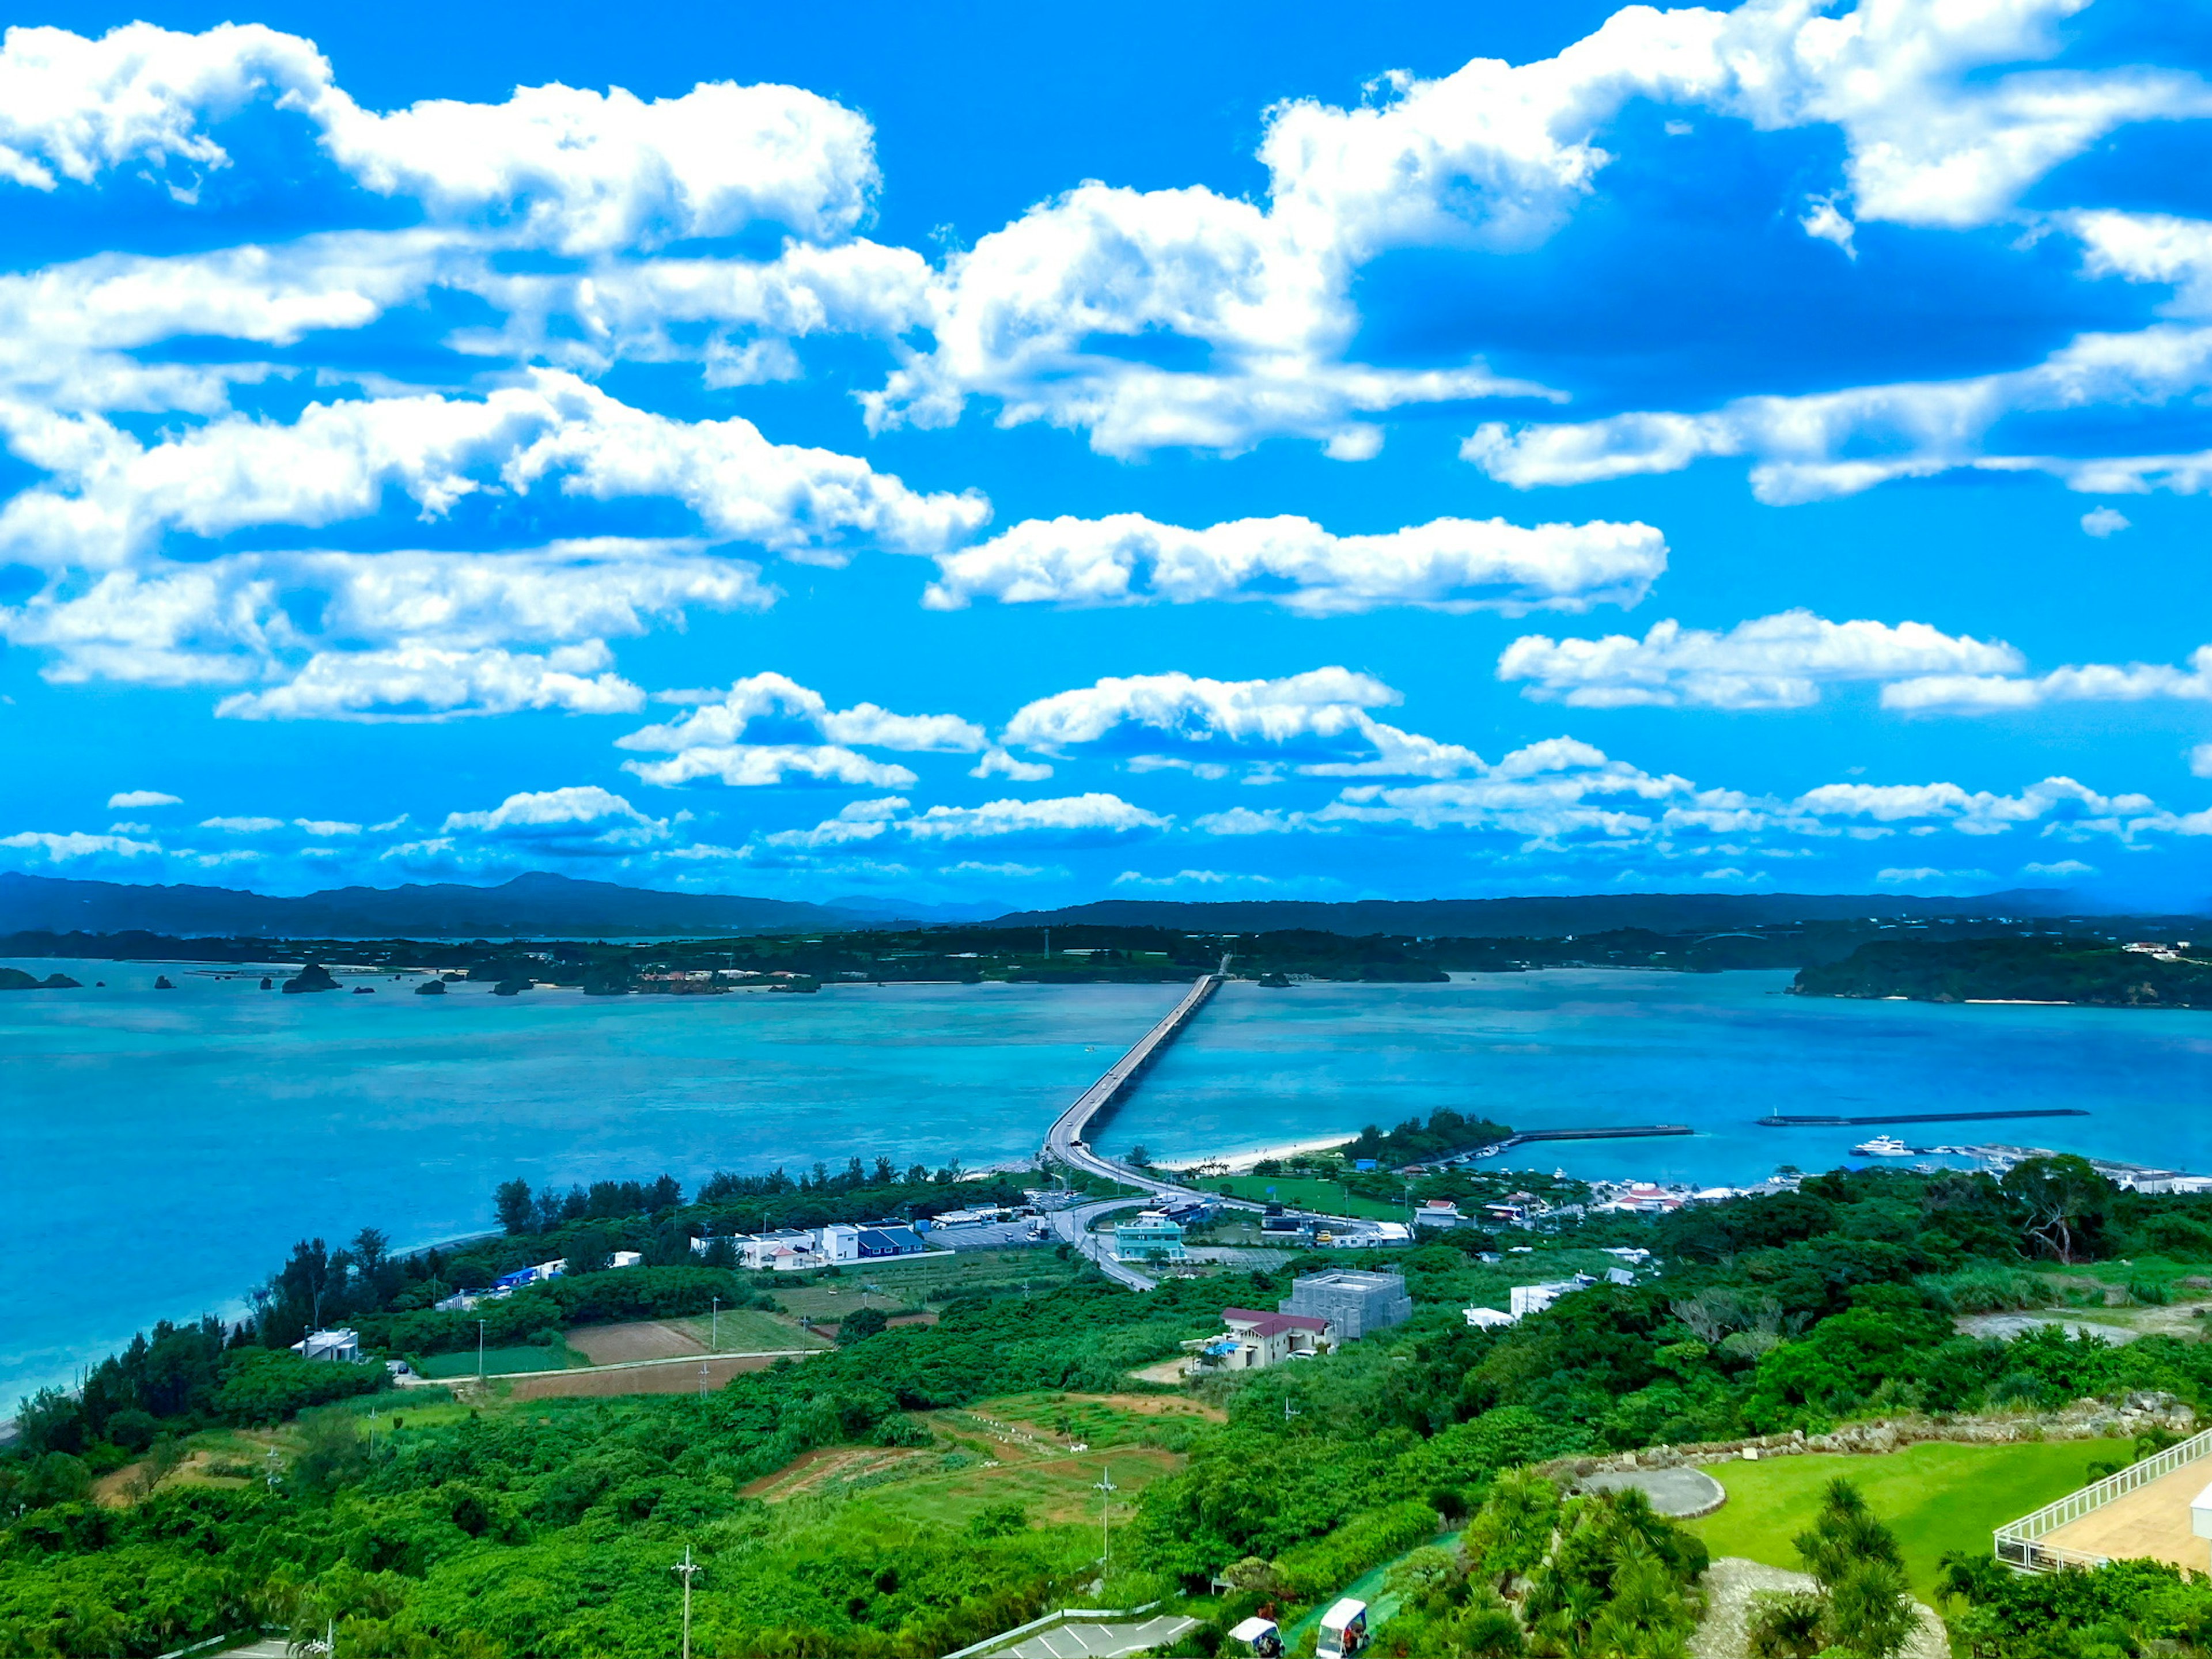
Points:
(962, 455)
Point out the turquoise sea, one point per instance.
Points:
(159, 1150)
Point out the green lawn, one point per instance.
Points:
(913, 1285)
(497, 1362)
(1936, 1497)
(1304, 1192)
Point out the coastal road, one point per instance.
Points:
(1064, 1143)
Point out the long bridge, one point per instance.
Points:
(1066, 1141)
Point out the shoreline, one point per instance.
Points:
(1240, 1162)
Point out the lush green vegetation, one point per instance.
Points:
(545, 1529)
(1939, 1499)
(2096, 972)
(1076, 952)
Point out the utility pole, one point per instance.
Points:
(276, 1466)
(685, 1573)
(715, 1315)
(1105, 1488)
(702, 1379)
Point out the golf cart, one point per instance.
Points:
(1343, 1630)
(1260, 1637)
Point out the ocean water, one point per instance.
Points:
(1580, 1047)
(160, 1151)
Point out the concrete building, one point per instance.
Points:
(341, 1347)
(1437, 1213)
(1151, 1237)
(1356, 1303)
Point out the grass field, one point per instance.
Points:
(1304, 1192)
(748, 1330)
(1060, 1489)
(1936, 1497)
(920, 1283)
(499, 1361)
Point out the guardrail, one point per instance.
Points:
(1051, 1620)
(2015, 1541)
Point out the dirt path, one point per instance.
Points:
(812, 1471)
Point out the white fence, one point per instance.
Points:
(2016, 1542)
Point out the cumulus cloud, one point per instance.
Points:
(1071, 818)
(1840, 443)
(1449, 564)
(130, 800)
(768, 729)
(758, 765)
(110, 496)
(416, 682)
(240, 618)
(242, 826)
(1320, 718)
(2104, 521)
(581, 818)
(567, 168)
(1772, 662)
(1969, 693)
(66, 848)
(1492, 156)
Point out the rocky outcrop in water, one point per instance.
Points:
(312, 977)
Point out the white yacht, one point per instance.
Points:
(1882, 1146)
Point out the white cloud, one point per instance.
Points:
(558, 812)
(1964, 694)
(1977, 813)
(237, 826)
(1826, 221)
(1449, 564)
(1320, 717)
(129, 799)
(756, 765)
(2200, 761)
(998, 763)
(326, 829)
(235, 618)
(62, 849)
(420, 682)
(1772, 662)
(768, 728)
(110, 497)
(1839, 443)
(2063, 869)
(2104, 521)
(558, 166)
(1071, 818)
(1493, 157)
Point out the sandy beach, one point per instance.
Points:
(1240, 1161)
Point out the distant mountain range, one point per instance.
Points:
(538, 906)
(548, 906)
(1540, 917)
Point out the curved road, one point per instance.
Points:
(1064, 1144)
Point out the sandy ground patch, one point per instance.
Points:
(827, 1465)
(676, 1376)
(644, 1339)
(1168, 1371)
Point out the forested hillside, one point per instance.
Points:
(501, 1528)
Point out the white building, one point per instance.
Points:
(340, 1347)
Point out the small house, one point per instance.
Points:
(339, 1347)
(1151, 1237)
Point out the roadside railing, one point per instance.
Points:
(2016, 1542)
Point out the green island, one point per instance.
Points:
(895, 1458)
(2063, 968)
(1062, 954)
